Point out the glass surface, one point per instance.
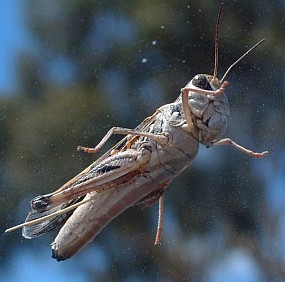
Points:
(71, 70)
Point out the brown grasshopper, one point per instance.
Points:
(139, 168)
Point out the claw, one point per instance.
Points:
(260, 155)
(221, 90)
(86, 150)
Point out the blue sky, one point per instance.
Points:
(14, 37)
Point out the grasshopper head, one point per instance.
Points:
(206, 82)
(209, 114)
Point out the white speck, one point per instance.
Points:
(153, 42)
(188, 6)
(162, 27)
(144, 60)
(183, 61)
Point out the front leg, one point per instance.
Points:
(207, 93)
(228, 141)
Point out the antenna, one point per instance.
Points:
(232, 65)
(217, 42)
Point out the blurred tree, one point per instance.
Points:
(97, 64)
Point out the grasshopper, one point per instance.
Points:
(138, 169)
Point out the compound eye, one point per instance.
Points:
(201, 81)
